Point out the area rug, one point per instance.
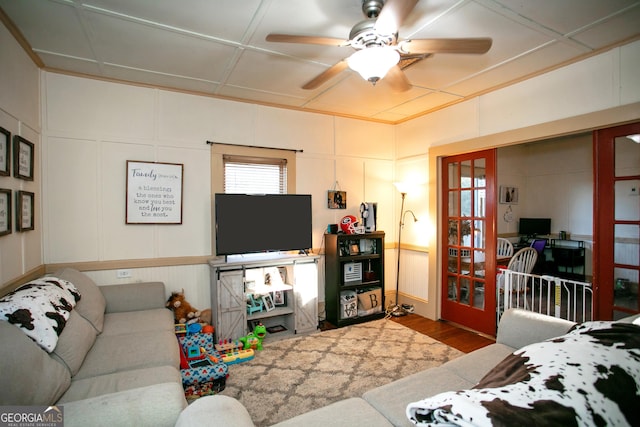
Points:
(293, 376)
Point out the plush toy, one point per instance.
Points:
(254, 339)
(183, 312)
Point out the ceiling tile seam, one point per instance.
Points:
(335, 81)
(531, 24)
(158, 25)
(88, 33)
(64, 55)
(284, 95)
(495, 66)
(160, 73)
(256, 20)
(449, 10)
(194, 34)
(603, 20)
(231, 65)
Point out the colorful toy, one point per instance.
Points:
(233, 351)
(254, 339)
(183, 312)
(238, 356)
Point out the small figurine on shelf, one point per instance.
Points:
(253, 304)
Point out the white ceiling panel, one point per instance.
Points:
(219, 47)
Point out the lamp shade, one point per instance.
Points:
(373, 63)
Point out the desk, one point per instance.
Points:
(568, 256)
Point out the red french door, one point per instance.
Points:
(616, 218)
(469, 241)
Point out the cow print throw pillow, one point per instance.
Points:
(41, 309)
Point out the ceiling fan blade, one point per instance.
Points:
(397, 79)
(469, 45)
(326, 75)
(392, 15)
(286, 38)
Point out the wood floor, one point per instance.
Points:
(450, 334)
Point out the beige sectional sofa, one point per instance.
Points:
(116, 362)
(386, 405)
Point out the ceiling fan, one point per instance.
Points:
(379, 52)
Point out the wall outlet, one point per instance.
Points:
(123, 274)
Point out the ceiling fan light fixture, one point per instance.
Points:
(373, 63)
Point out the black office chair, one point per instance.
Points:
(541, 266)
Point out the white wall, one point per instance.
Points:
(554, 178)
(20, 115)
(596, 92)
(91, 127)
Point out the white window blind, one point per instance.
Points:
(254, 175)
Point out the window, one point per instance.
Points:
(254, 175)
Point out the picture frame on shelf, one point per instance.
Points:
(24, 211)
(354, 249)
(5, 211)
(23, 155)
(5, 152)
(279, 298)
(268, 302)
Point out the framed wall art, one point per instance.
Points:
(23, 152)
(508, 195)
(5, 150)
(24, 211)
(5, 211)
(154, 193)
(337, 199)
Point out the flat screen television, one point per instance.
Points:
(534, 227)
(248, 223)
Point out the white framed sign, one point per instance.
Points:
(154, 193)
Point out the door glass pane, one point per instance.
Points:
(479, 233)
(478, 264)
(452, 290)
(478, 295)
(627, 200)
(480, 201)
(465, 232)
(454, 208)
(625, 244)
(465, 174)
(465, 203)
(465, 285)
(479, 173)
(454, 179)
(625, 289)
(453, 231)
(627, 157)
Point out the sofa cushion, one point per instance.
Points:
(75, 342)
(349, 412)
(93, 304)
(157, 405)
(119, 381)
(118, 353)
(391, 399)
(228, 412)
(159, 319)
(40, 309)
(475, 365)
(29, 375)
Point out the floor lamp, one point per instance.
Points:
(397, 310)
